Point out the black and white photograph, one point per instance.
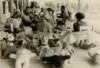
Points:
(49, 33)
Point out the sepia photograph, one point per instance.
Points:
(49, 33)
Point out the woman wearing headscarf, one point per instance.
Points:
(47, 22)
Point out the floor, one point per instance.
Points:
(80, 60)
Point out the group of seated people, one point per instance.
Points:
(41, 33)
(46, 18)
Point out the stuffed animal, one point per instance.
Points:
(9, 49)
(52, 42)
(68, 39)
(43, 44)
(27, 33)
(12, 47)
(68, 50)
(34, 43)
(95, 57)
(10, 38)
(56, 61)
(22, 56)
(53, 47)
(9, 46)
(84, 44)
(54, 50)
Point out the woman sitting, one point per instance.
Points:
(14, 23)
(79, 16)
(47, 22)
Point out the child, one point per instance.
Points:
(79, 17)
(14, 23)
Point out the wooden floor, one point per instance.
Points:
(80, 60)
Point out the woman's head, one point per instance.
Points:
(33, 4)
(50, 10)
(27, 11)
(44, 39)
(62, 8)
(80, 15)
